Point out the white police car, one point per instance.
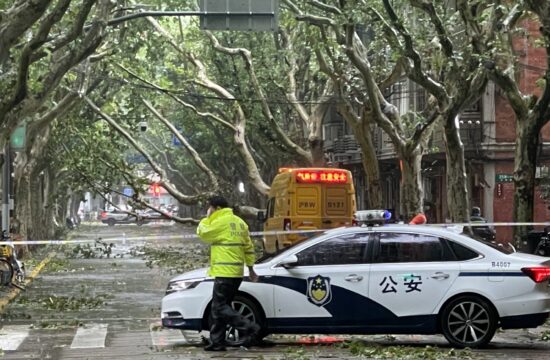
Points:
(392, 279)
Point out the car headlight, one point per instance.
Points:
(180, 285)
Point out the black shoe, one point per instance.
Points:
(213, 347)
(252, 338)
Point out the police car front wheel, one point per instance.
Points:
(468, 321)
(249, 310)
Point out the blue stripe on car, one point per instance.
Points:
(366, 313)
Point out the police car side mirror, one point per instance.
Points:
(289, 261)
(260, 216)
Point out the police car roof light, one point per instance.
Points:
(372, 217)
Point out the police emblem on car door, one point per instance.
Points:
(318, 290)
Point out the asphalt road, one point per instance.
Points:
(87, 305)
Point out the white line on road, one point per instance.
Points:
(12, 336)
(90, 336)
(164, 337)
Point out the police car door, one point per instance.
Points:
(323, 291)
(410, 275)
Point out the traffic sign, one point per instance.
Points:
(244, 15)
(17, 138)
(504, 178)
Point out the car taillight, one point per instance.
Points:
(103, 214)
(287, 224)
(537, 274)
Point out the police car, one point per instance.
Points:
(390, 279)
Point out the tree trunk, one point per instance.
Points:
(527, 142)
(22, 210)
(457, 185)
(412, 191)
(370, 166)
(52, 224)
(317, 152)
(37, 230)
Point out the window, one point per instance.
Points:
(341, 250)
(270, 208)
(462, 252)
(401, 247)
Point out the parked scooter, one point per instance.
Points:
(543, 246)
(12, 271)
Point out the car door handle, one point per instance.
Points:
(440, 276)
(353, 278)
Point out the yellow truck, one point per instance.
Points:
(306, 199)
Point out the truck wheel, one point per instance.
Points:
(111, 222)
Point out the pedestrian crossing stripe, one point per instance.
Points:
(94, 335)
(11, 336)
(164, 337)
(90, 336)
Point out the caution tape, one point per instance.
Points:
(124, 239)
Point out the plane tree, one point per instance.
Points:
(527, 25)
(432, 44)
(40, 42)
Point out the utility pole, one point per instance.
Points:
(6, 189)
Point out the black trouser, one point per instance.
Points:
(223, 314)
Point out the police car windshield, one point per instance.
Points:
(267, 257)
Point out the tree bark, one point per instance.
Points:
(369, 160)
(527, 143)
(411, 189)
(317, 152)
(457, 185)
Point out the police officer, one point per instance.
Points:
(230, 249)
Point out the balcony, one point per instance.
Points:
(343, 149)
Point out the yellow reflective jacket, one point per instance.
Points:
(230, 243)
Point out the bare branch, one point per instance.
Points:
(194, 155)
(168, 92)
(163, 178)
(16, 21)
(247, 57)
(326, 7)
(444, 39)
(417, 73)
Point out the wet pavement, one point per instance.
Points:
(97, 302)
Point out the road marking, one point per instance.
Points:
(11, 336)
(164, 337)
(90, 336)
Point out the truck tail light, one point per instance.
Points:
(103, 214)
(537, 274)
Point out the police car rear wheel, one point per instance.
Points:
(468, 321)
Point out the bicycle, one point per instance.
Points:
(12, 271)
